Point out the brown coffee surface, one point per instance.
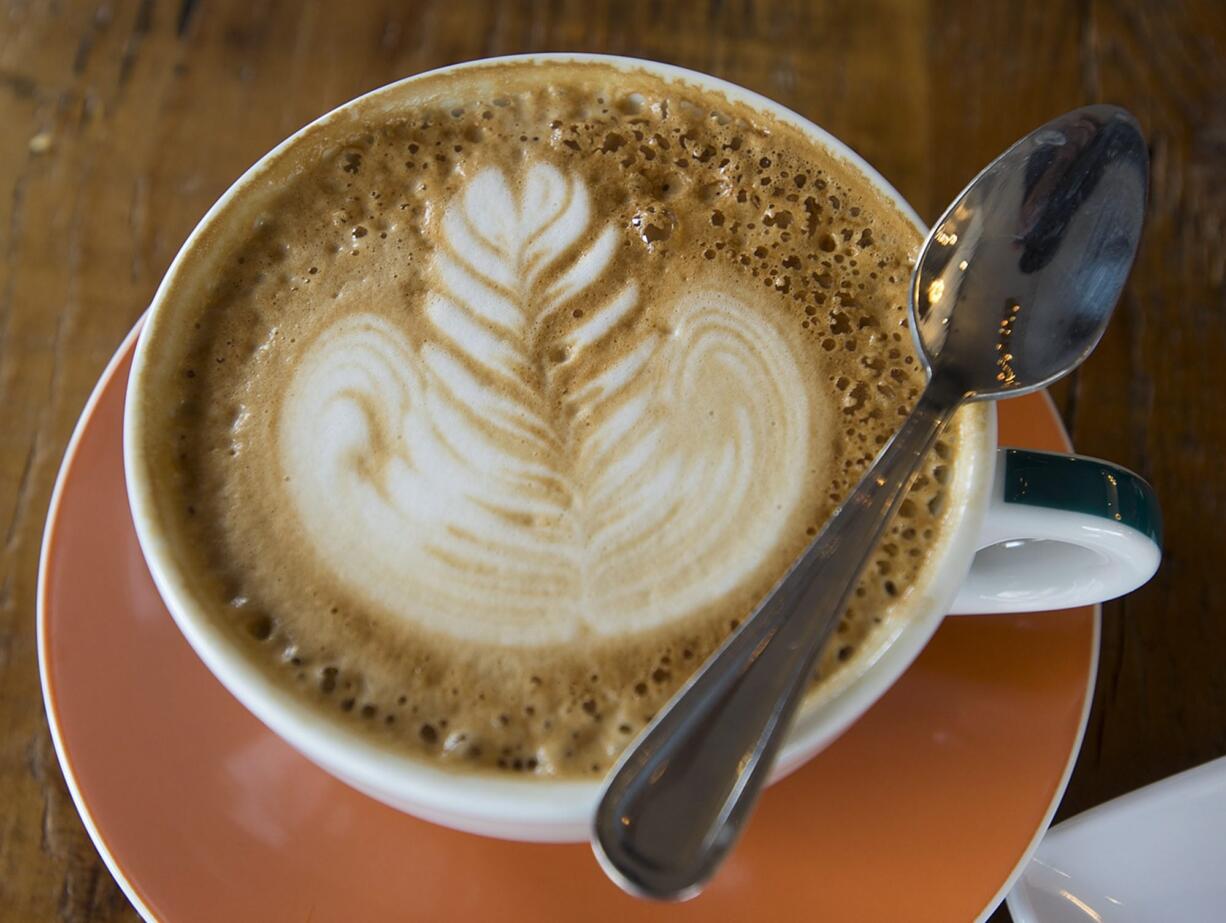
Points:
(501, 398)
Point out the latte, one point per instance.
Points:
(498, 400)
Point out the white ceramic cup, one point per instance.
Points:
(1026, 531)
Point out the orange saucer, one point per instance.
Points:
(924, 810)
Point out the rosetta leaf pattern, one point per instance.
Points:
(507, 479)
(504, 268)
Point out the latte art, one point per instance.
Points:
(481, 416)
(463, 485)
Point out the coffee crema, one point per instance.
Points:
(503, 396)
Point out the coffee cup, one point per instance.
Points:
(1013, 530)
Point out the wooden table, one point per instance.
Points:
(121, 122)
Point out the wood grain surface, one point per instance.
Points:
(121, 122)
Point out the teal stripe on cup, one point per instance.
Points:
(1082, 485)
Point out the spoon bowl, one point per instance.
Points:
(1031, 258)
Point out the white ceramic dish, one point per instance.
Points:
(1153, 855)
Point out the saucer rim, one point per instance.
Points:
(44, 668)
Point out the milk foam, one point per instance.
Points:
(451, 486)
(482, 418)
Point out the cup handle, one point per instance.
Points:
(1061, 531)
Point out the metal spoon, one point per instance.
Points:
(1012, 290)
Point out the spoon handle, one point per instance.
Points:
(677, 801)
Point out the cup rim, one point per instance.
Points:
(480, 801)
